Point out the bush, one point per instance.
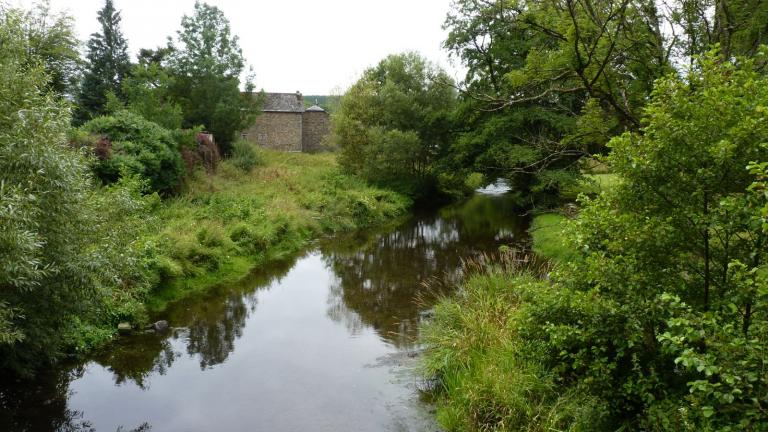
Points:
(68, 252)
(245, 156)
(392, 124)
(139, 146)
(657, 315)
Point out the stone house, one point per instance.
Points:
(284, 124)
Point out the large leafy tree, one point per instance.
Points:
(148, 89)
(108, 64)
(393, 123)
(552, 81)
(206, 63)
(674, 261)
(549, 82)
(51, 40)
(62, 246)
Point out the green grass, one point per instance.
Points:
(592, 184)
(548, 237)
(487, 345)
(222, 226)
(491, 378)
(547, 229)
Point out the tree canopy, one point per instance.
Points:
(394, 123)
(206, 63)
(107, 65)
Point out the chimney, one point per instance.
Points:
(299, 97)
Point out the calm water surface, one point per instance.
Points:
(325, 341)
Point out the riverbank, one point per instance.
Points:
(347, 303)
(491, 378)
(224, 225)
(488, 346)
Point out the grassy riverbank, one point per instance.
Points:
(491, 378)
(487, 347)
(224, 225)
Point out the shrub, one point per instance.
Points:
(245, 156)
(139, 146)
(66, 250)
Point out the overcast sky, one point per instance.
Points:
(315, 47)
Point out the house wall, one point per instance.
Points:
(277, 130)
(317, 125)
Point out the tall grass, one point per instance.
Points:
(490, 378)
(222, 226)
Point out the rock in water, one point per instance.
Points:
(124, 328)
(160, 326)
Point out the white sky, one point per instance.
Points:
(316, 47)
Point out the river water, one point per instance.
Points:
(323, 341)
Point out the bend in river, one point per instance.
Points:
(325, 341)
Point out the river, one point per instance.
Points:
(323, 341)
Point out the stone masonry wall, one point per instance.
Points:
(317, 125)
(277, 130)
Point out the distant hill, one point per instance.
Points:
(329, 103)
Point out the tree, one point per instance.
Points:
(393, 123)
(550, 82)
(51, 39)
(148, 90)
(63, 248)
(674, 260)
(108, 65)
(206, 63)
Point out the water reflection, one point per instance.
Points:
(383, 282)
(257, 349)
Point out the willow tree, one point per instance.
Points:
(393, 123)
(68, 261)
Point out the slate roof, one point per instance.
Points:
(283, 102)
(315, 108)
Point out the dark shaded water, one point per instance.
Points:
(325, 341)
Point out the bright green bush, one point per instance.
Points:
(392, 124)
(245, 155)
(139, 146)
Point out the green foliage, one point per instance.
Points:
(205, 65)
(139, 147)
(225, 224)
(245, 155)
(675, 252)
(108, 64)
(659, 316)
(548, 83)
(147, 91)
(392, 123)
(62, 257)
(51, 41)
